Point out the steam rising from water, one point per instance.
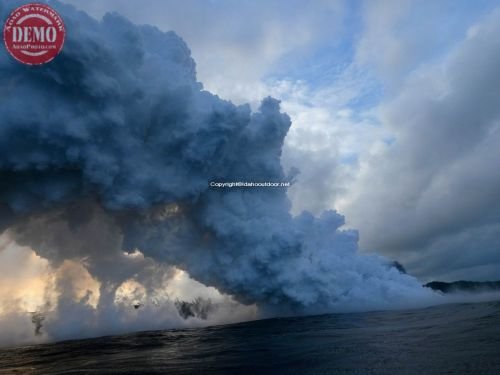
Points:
(105, 160)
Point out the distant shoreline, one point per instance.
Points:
(464, 286)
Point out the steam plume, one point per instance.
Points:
(108, 151)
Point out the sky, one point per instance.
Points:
(394, 106)
(392, 123)
(108, 222)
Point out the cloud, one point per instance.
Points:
(109, 166)
(435, 189)
(325, 141)
(398, 37)
(406, 156)
(248, 39)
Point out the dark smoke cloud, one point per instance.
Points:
(111, 147)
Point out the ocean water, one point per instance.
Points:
(446, 339)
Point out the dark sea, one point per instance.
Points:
(446, 339)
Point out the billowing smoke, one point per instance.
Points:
(106, 155)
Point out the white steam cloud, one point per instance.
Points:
(105, 160)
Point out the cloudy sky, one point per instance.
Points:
(396, 120)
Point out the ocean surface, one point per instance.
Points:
(453, 339)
